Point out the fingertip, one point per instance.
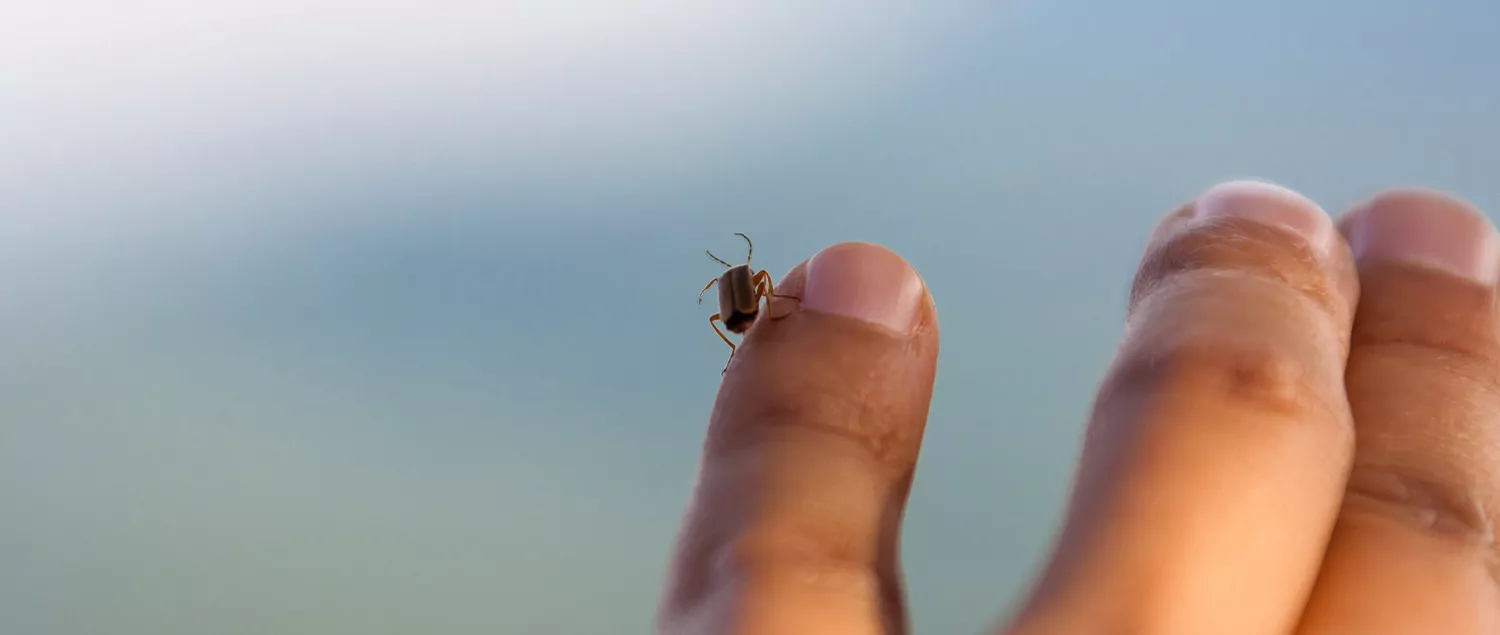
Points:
(867, 282)
(851, 319)
(1260, 229)
(1425, 228)
(1265, 202)
(789, 291)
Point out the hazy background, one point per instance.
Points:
(325, 316)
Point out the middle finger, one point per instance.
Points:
(1216, 454)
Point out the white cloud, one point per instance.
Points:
(161, 78)
(124, 119)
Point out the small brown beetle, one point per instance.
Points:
(740, 291)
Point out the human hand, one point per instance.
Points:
(1300, 433)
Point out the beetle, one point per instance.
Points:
(741, 289)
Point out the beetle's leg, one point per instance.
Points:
(705, 289)
(763, 286)
(761, 281)
(715, 318)
(762, 278)
(711, 320)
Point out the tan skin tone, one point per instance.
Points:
(1298, 435)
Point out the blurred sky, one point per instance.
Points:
(325, 316)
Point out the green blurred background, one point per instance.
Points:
(375, 317)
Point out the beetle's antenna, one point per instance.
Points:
(747, 242)
(721, 261)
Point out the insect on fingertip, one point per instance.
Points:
(741, 289)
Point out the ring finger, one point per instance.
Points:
(1413, 550)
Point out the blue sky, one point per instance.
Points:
(336, 317)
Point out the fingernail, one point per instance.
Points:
(865, 282)
(1428, 229)
(1270, 204)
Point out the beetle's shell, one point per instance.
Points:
(738, 303)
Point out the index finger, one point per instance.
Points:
(1221, 438)
(811, 448)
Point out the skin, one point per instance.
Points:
(1300, 433)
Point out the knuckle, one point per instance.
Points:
(1243, 247)
(1440, 506)
(1451, 353)
(814, 551)
(799, 378)
(887, 435)
(1265, 378)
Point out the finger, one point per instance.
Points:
(1414, 548)
(793, 525)
(1216, 453)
